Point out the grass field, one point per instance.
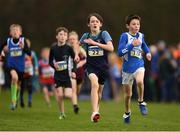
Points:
(40, 117)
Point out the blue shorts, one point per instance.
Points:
(101, 74)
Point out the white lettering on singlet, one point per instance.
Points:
(95, 51)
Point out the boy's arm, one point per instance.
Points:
(108, 42)
(146, 49)
(3, 50)
(51, 58)
(123, 48)
(27, 48)
(73, 55)
(76, 51)
(36, 64)
(2, 46)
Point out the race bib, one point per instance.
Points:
(62, 65)
(136, 53)
(15, 53)
(95, 51)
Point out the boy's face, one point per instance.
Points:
(15, 32)
(73, 39)
(62, 37)
(94, 24)
(45, 54)
(134, 26)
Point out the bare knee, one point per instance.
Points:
(14, 78)
(94, 86)
(60, 97)
(128, 95)
(128, 91)
(68, 95)
(140, 83)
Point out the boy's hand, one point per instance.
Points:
(5, 49)
(21, 45)
(148, 56)
(136, 42)
(56, 66)
(73, 75)
(90, 41)
(76, 58)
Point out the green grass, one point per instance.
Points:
(40, 117)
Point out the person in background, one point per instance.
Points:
(73, 40)
(46, 76)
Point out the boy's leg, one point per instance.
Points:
(22, 93)
(100, 94)
(127, 81)
(74, 96)
(60, 100)
(46, 95)
(94, 91)
(127, 97)
(68, 93)
(139, 77)
(18, 93)
(94, 97)
(30, 91)
(14, 85)
(79, 85)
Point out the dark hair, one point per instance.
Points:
(59, 29)
(99, 17)
(129, 18)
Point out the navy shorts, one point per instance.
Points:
(64, 83)
(101, 74)
(20, 74)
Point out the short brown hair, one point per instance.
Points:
(99, 17)
(129, 18)
(59, 29)
(15, 25)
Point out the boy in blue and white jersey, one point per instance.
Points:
(132, 46)
(97, 44)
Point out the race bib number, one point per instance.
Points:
(15, 53)
(136, 53)
(62, 65)
(95, 51)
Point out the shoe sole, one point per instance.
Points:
(96, 118)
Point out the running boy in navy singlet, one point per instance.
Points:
(97, 44)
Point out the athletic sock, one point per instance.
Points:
(140, 102)
(75, 106)
(13, 93)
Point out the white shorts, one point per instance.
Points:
(128, 78)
